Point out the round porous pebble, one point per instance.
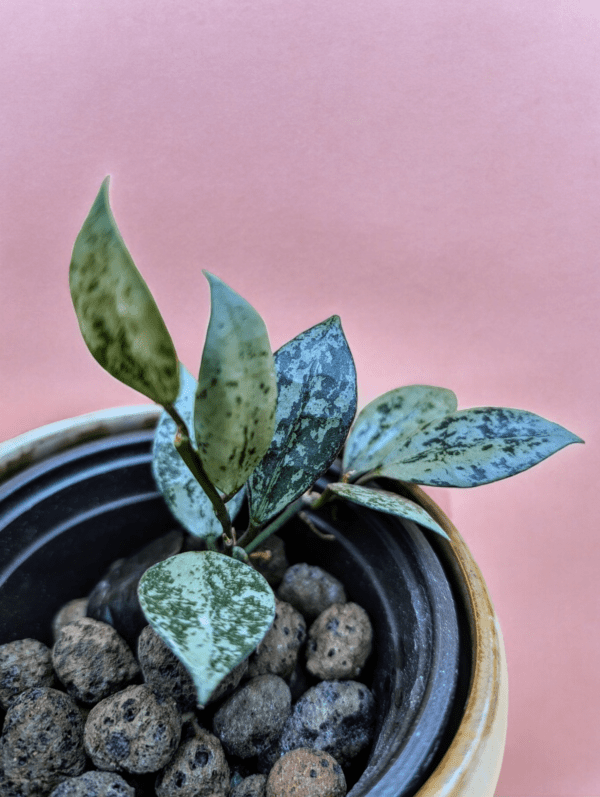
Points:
(253, 786)
(253, 717)
(92, 661)
(339, 642)
(335, 716)
(71, 611)
(7, 787)
(42, 741)
(278, 651)
(306, 773)
(310, 589)
(24, 664)
(198, 769)
(163, 671)
(95, 784)
(136, 730)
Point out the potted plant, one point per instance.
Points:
(263, 430)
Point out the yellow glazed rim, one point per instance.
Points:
(471, 765)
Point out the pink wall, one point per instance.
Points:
(429, 171)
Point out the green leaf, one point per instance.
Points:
(186, 499)
(117, 315)
(384, 501)
(476, 446)
(316, 383)
(385, 422)
(210, 609)
(237, 390)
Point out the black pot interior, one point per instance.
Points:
(64, 521)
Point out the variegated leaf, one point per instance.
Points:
(210, 609)
(384, 501)
(117, 315)
(476, 446)
(316, 382)
(186, 499)
(385, 422)
(237, 390)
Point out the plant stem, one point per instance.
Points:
(253, 537)
(321, 500)
(192, 459)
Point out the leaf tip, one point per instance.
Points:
(103, 197)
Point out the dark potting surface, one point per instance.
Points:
(65, 520)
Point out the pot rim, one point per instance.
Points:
(471, 764)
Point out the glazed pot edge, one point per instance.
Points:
(28, 448)
(472, 763)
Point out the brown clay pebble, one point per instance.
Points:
(95, 784)
(306, 773)
(278, 651)
(71, 611)
(136, 730)
(24, 664)
(163, 671)
(92, 661)
(339, 642)
(253, 786)
(42, 742)
(310, 589)
(198, 769)
(254, 716)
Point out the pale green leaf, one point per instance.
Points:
(186, 499)
(237, 390)
(388, 420)
(117, 315)
(384, 501)
(316, 383)
(210, 609)
(476, 446)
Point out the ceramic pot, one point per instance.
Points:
(76, 495)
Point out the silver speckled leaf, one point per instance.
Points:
(391, 418)
(118, 317)
(316, 382)
(237, 390)
(186, 499)
(210, 609)
(390, 503)
(476, 446)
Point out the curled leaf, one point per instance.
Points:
(185, 497)
(237, 390)
(210, 609)
(476, 446)
(118, 317)
(384, 501)
(316, 384)
(385, 422)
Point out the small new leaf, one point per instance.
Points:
(210, 609)
(237, 390)
(185, 497)
(316, 383)
(384, 501)
(118, 317)
(476, 446)
(385, 422)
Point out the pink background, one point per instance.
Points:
(428, 170)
